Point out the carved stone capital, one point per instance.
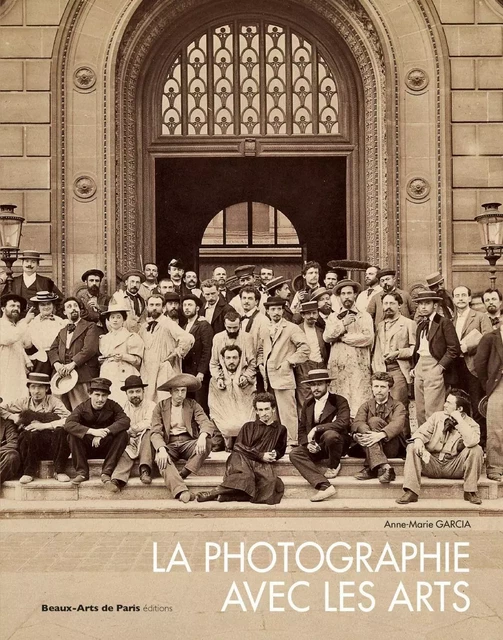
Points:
(84, 187)
(84, 78)
(417, 79)
(418, 188)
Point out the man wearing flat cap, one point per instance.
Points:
(323, 434)
(43, 330)
(351, 334)
(14, 361)
(30, 282)
(97, 428)
(93, 301)
(246, 277)
(180, 431)
(387, 280)
(436, 351)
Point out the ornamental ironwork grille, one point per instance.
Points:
(250, 78)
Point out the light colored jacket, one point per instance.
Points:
(402, 338)
(476, 325)
(282, 352)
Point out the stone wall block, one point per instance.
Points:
(462, 73)
(38, 141)
(456, 11)
(25, 173)
(36, 236)
(474, 40)
(11, 140)
(38, 206)
(464, 139)
(13, 16)
(466, 237)
(464, 204)
(490, 139)
(47, 12)
(27, 42)
(495, 106)
(469, 106)
(11, 75)
(38, 75)
(470, 172)
(24, 107)
(490, 73)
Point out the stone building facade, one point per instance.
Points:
(420, 90)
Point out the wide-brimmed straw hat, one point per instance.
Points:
(317, 375)
(181, 380)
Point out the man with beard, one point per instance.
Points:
(149, 285)
(266, 274)
(190, 280)
(139, 411)
(492, 299)
(30, 282)
(97, 428)
(220, 278)
(40, 417)
(280, 287)
(351, 334)
(323, 434)
(387, 280)
(231, 395)
(92, 301)
(318, 350)
(311, 273)
(325, 301)
(249, 471)
(175, 272)
(215, 307)
(76, 347)
(15, 362)
(373, 287)
(172, 307)
(197, 360)
(284, 349)
(166, 344)
(394, 345)
(42, 331)
(132, 299)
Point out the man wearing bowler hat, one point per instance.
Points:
(97, 428)
(323, 434)
(180, 430)
(435, 282)
(14, 361)
(30, 282)
(43, 330)
(387, 280)
(139, 411)
(92, 300)
(436, 351)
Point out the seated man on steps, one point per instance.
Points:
(249, 472)
(9, 454)
(323, 433)
(180, 430)
(97, 428)
(40, 419)
(445, 446)
(379, 428)
(139, 411)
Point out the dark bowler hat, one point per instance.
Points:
(277, 282)
(317, 375)
(133, 382)
(317, 293)
(312, 305)
(134, 272)
(181, 380)
(434, 278)
(176, 262)
(385, 271)
(244, 270)
(357, 287)
(275, 301)
(13, 296)
(38, 378)
(191, 296)
(427, 294)
(100, 384)
(44, 296)
(30, 255)
(171, 296)
(92, 272)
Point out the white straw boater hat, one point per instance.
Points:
(317, 375)
(61, 385)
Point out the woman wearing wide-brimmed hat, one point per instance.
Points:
(43, 330)
(121, 351)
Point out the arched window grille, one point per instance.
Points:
(250, 78)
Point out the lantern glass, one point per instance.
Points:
(10, 231)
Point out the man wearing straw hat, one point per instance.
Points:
(40, 417)
(30, 282)
(323, 433)
(180, 431)
(43, 330)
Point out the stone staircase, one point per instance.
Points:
(45, 497)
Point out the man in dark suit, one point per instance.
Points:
(76, 347)
(379, 427)
(489, 367)
(323, 433)
(97, 428)
(215, 307)
(437, 349)
(9, 454)
(180, 430)
(197, 360)
(29, 283)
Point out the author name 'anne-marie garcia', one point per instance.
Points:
(439, 592)
(428, 524)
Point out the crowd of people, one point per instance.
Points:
(171, 369)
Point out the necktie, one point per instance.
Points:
(424, 325)
(151, 326)
(136, 304)
(380, 411)
(495, 321)
(71, 328)
(343, 314)
(370, 291)
(51, 317)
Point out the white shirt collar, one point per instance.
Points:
(322, 400)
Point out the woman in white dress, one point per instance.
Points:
(121, 351)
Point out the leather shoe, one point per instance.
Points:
(145, 477)
(473, 497)
(495, 476)
(333, 473)
(61, 477)
(323, 494)
(105, 478)
(25, 479)
(407, 497)
(386, 475)
(78, 479)
(365, 474)
(206, 496)
(185, 496)
(112, 486)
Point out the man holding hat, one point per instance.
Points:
(43, 330)
(180, 430)
(318, 349)
(323, 433)
(436, 350)
(197, 360)
(132, 298)
(387, 280)
(15, 362)
(30, 282)
(280, 287)
(139, 411)
(40, 418)
(351, 334)
(92, 300)
(97, 428)
(311, 273)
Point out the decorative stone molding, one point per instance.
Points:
(417, 79)
(418, 188)
(84, 78)
(84, 187)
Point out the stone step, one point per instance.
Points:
(435, 511)
(295, 488)
(215, 466)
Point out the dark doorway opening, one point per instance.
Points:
(310, 191)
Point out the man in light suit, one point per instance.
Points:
(285, 348)
(180, 430)
(76, 347)
(470, 326)
(394, 345)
